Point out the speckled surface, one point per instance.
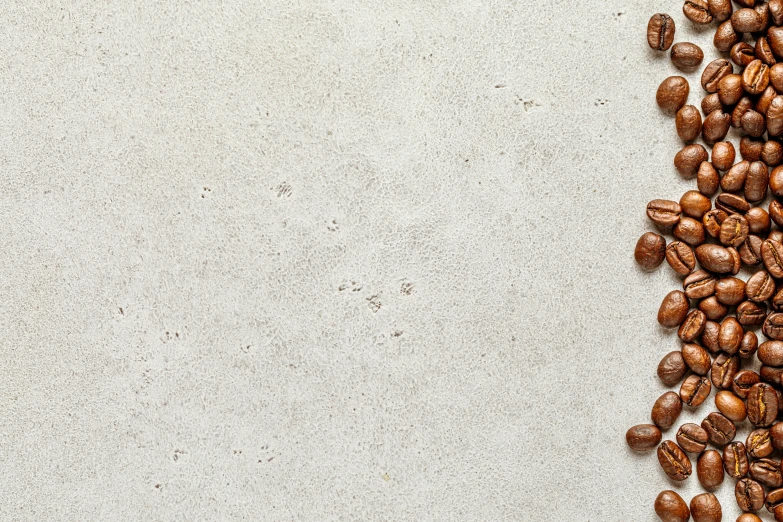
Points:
(331, 261)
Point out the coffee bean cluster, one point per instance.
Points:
(723, 245)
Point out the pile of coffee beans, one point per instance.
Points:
(730, 257)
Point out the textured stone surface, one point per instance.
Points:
(331, 261)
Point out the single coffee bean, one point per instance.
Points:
(699, 284)
(672, 368)
(776, 212)
(760, 286)
(692, 328)
(688, 160)
(771, 353)
(734, 179)
(689, 230)
(666, 410)
(735, 460)
(762, 405)
(750, 251)
(777, 300)
(697, 11)
(730, 89)
(771, 375)
(742, 53)
(775, 235)
(660, 32)
(674, 461)
(749, 495)
(755, 77)
(752, 122)
(758, 220)
(731, 204)
(692, 438)
(731, 406)
(774, 499)
(772, 153)
(643, 437)
(773, 326)
(695, 204)
(759, 444)
(750, 517)
(650, 250)
(751, 314)
(709, 338)
(714, 129)
(763, 10)
(730, 335)
(746, 21)
(723, 155)
(756, 182)
(742, 383)
(744, 105)
(775, 117)
(772, 255)
(687, 56)
(776, 181)
(764, 100)
(714, 310)
(749, 345)
(664, 213)
(775, 39)
(720, 430)
(776, 436)
(766, 472)
(697, 358)
(778, 513)
(715, 71)
(707, 179)
(750, 147)
(672, 94)
(720, 9)
(730, 290)
(734, 230)
(725, 37)
(718, 259)
(706, 508)
(764, 52)
(724, 369)
(710, 103)
(688, 122)
(673, 309)
(695, 390)
(775, 11)
(681, 258)
(776, 76)
(670, 507)
(709, 469)
(713, 220)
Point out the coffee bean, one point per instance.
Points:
(758, 221)
(731, 204)
(750, 517)
(709, 469)
(750, 147)
(746, 21)
(664, 213)
(775, 117)
(695, 204)
(687, 56)
(766, 472)
(709, 338)
(756, 182)
(697, 11)
(730, 290)
(764, 100)
(734, 179)
(688, 160)
(692, 438)
(771, 375)
(672, 94)
(695, 390)
(723, 155)
(771, 353)
(744, 105)
(681, 258)
(751, 314)
(714, 129)
(775, 11)
(734, 230)
(773, 326)
(749, 495)
(688, 122)
(749, 345)
(776, 181)
(720, 430)
(742, 53)
(776, 212)
(720, 9)
(730, 335)
(689, 230)
(697, 358)
(762, 405)
(670, 507)
(759, 444)
(724, 369)
(692, 328)
(718, 259)
(725, 37)
(763, 10)
(699, 284)
(750, 251)
(730, 89)
(742, 383)
(777, 300)
(706, 508)
(713, 220)
(666, 410)
(660, 32)
(774, 499)
(715, 71)
(707, 179)
(776, 436)
(760, 286)
(752, 122)
(764, 52)
(643, 437)
(713, 309)
(672, 368)
(775, 235)
(772, 153)
(755, 77)
(731, 406)
(735, 460)
(772, 255)
(673, 309)
(775, 39)
(710, 103)
(650, 250)
(674, 461)
(778, 513)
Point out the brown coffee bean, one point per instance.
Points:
(730, 290)
(715, 71)
(707, 179)
(670, 507)
(724, 369)
(643, 437)
(660, 32)
(750, 517)
(749, 345)
(750, 147)
(709, 469)
(695, 204)
(746, 21)
(756, 182)
(759, 444)
(706, 508)
(764, 100)
(749, 495)
(734, 230)
(687, 56)
(758, 220)
(776, 181)
(735, 460)
(775, 39)
(725, 37)
(699, 284)
(731, 204)
(778, 513)
(775, 117)
(689, 230)
(755, 77)
(762, 405)
(688, 122)
(776, 212)
(760, 286)
(650, 250)
(672, 368)
(773, 326)
(772, 255)
(697, 358)
(774, 499)
(777, 300)
(731, 406)
(720, 9)
(730, 89)
(771, 353)
(664, 213)
(713, 309)
(776, 436)
(772, 153)
(666, 410)
(714, 129)
(751, 314)
(771, 375)
(750, 251)
(692, 438)
(697, 11)
(730, 335)
(709, 338)
(713, 220)
(718, 259)
(695, 390)
(742, 383)
(775, 235)
(734, 179)
(744, 105)
(688, 160)
(720, 430)
(775, 11)
(674, 461)
(692, 328)
(681, 258)
(723, 154)
(673, 309)
(742, 53)
(672, 94)
(776, 76)
(753, 123)
(764, 52)
(766, 472)
(710, 103)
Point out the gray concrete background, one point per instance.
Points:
(330, 261)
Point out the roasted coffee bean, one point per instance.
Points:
(713, 220)
(687, 56)
(689, 230)
(763, 10)
(776, 76)
(775, 11)
(735, 460)
(695, 204)
(766, 472)
(746, 21)
(695, 390)
(692, 328)
(751, 314)
(670, 507)
(773, 326)
(749, 345)
(697, 11)
(734, 230)
(730, 290)
(688, 160)
(714, 129)
(750, 517)
(750, 251)
(709, 469)
(776, 235)
(771, 353)
(760, 286)
(719, 429)
(750, 147)
(643, 437)
(697, 358)
(688, 122)
(724, 369)
(718, 259)
(710, 103)
(775, 117)
(758, 220)
(759, 444)
(771, 375)
(764, 101)
(776, 436)
(723, 155)
(777, 300)
(699, 284)
(776, 180)
(720, 9)
(772, 153)
(715, 71)
(713, 309)
(674, 461)
(755, 77)
(664, 213)
(709, 338)
(756, 182)
(778, 513)
(650, 250)
(749, 495)
(681, 258)
(734, 179)
(744, 105)
(666, 410)
(692, 438)
(706, 508)
(772, 255)
(730, 203)
(731, 406)
(672, 368)
(725, 37)
(742, 383)
(764, 52)
(707, 179)
(730, 335)
(672, 94)
(775, 39)
(762, 405)
(776, 212)
(730, 90)
(774, 499)
(673, 309)
(660, 32)
(742, 53)
(752, 122)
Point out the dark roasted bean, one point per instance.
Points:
(712, 221)
(762, 404)
(760, 286)
(725, 37)
(742, 53)
(672, 368)
(718, 259)
(766, 472)
(660, 32)
(749, 345)
(697, 11)
(672, 94)
(759, 444)
(666, 410)
(730, 335)
(670, 507)
(771, 375)
(731, 406)
(643, 437)
(714, 129)
(755, 77)
(709, 338)
(681, 258)
(749, 495)
(776, 181)
(713, 309)
(773, 326)
(687, 56)
(730, 203)
(772, 255)
(734, 179)
(695, 204)
(674, 461)
(756, 182)
(695, 390)
(750, 147)
(735, 460)
(688, 122)
(650, 250)
(751, 314)
(692, 328)
(719, 429)
(763, 51)
(771, 353)
(746, 21)
(758, 220)
(742, 383)
(776, 436)
(697, 358)
(730, 290)
(709, 469)
(699, 284)
(715, 71)
(750, 251)
(688, 160)
(673, 309)
(664, 213)
(692, 438)
(734, 230)
(724, 368)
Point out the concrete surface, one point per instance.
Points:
(331, 261)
